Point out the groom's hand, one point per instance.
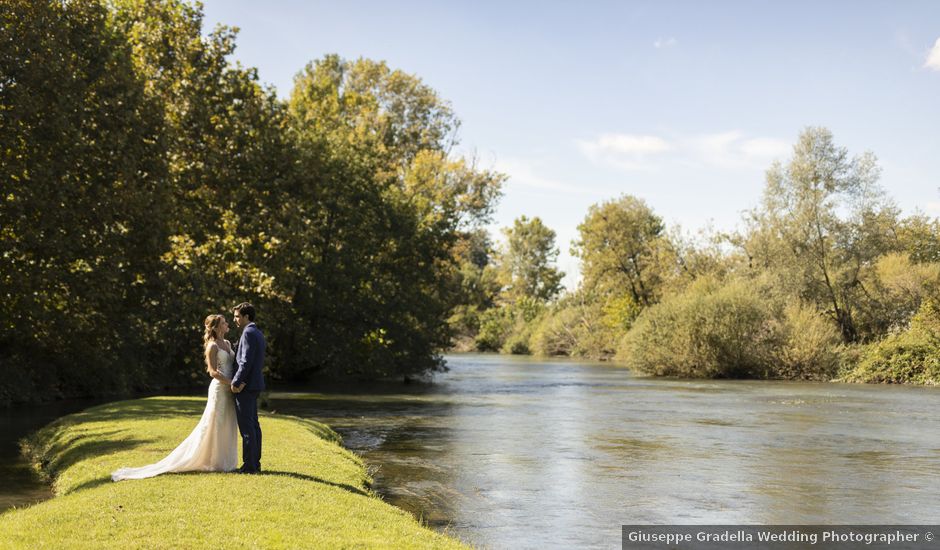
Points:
(238, 388)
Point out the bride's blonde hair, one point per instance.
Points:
(212, 325)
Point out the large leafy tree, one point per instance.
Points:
(83, 203)
(822, 223)
(623, 249)
(228, 167)
(387, 204)
(526, 264)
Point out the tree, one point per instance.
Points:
(919, 236)
(526, 262)
(384, 206)
(229, 173)
(822, 222)
(82, 219)
(622, 247)
(478, 280)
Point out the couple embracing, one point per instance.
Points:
(232, 404)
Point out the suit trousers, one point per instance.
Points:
(246, 412)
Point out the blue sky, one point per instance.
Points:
(683, 104)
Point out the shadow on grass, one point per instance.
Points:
(314, 479)
(86, 450)
(152, 408)
(57, 447)
(91, 484)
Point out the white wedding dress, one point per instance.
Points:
(213, 444)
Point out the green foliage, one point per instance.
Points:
(326, 486)
(709, 331)
(808, 345)
(479, 286)
(899, 359)
(822, 222)
(150, 182)
(620, 312)
(909, 357)
(495, 326)
(387, 210)
(508, 328)
(525, 266)
(580, 325)
(83, 209)
(919, 236)
(895, 289)
(732, 329)
(927, 320)
(622, 246)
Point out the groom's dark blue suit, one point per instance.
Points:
(250, 359)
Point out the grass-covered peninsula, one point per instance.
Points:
(313, 494)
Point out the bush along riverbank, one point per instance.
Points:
(313, 493)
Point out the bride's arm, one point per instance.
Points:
(212, 354)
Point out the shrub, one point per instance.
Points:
(910, 357)
(899, 359)
(575, 327)
(508, 328)
(554, 335)
(809, 344)
(707, 331)
(495, 325)
(517, 344)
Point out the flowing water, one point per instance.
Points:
(514, 452)
(510, 452)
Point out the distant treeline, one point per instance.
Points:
(148, 182)
(826, 280)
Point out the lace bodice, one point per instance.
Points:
(226, 363)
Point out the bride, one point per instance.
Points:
(212, 445)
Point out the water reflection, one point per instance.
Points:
(509, 452)
(21, 485)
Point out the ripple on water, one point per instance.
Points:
(715, 422)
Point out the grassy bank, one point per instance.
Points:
(313, 494)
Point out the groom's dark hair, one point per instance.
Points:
(247, 310)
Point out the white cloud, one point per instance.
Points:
(522, 173)
(765, 148)
(731, 150)
(933, 206)
(933, 57)
(629, 144)
(661, 43)
(625, 151)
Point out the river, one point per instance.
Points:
(506, 451)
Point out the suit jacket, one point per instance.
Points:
(249, 356)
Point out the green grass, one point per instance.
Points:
(313, 494)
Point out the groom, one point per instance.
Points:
(246, 385)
